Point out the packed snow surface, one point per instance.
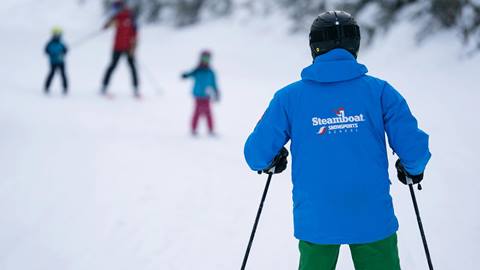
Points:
(91, 183)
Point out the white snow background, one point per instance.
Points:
(89, 183)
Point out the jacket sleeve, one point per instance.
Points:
(110, 21)
(405, 138)
(47, 48)
(189, 74)
(135, 25)
(269, 136)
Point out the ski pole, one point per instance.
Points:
(151, 78)
(86, 38)
(419, 220)
(259, 212)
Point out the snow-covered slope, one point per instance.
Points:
(88, 183)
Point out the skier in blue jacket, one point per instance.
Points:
(204, 89)
(56, 51)
(336, 118)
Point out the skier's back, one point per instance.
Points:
(336, 118)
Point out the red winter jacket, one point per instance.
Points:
(126, 30)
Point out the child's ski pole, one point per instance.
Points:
(151, 78)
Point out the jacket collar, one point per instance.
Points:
(335, 66)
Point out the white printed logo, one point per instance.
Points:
(341, 123)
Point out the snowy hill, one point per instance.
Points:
(88, 183)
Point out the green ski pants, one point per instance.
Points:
(380, 255)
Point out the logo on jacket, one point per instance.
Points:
(342, 123)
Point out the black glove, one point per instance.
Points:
(184, 75)
(279, 162)
(402, 174)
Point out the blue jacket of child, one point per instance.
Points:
(56, 51)
(336, 118)
(205, 82)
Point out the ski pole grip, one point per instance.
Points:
(269, 171)
(409, 180)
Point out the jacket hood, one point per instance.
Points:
(335, 66)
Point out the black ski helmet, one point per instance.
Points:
(334, 29)
(118, 4)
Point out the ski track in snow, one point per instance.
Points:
(90, 183)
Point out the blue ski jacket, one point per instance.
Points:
(336, 118)
(204, 82)
(56, 50)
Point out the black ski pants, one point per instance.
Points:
(131, 63)
(53, 69)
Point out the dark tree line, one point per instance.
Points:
(179, 13)
(462, 16)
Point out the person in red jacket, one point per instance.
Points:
(125, 43)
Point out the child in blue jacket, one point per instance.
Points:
(204, 89)
(336, 118)
(56, 51)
